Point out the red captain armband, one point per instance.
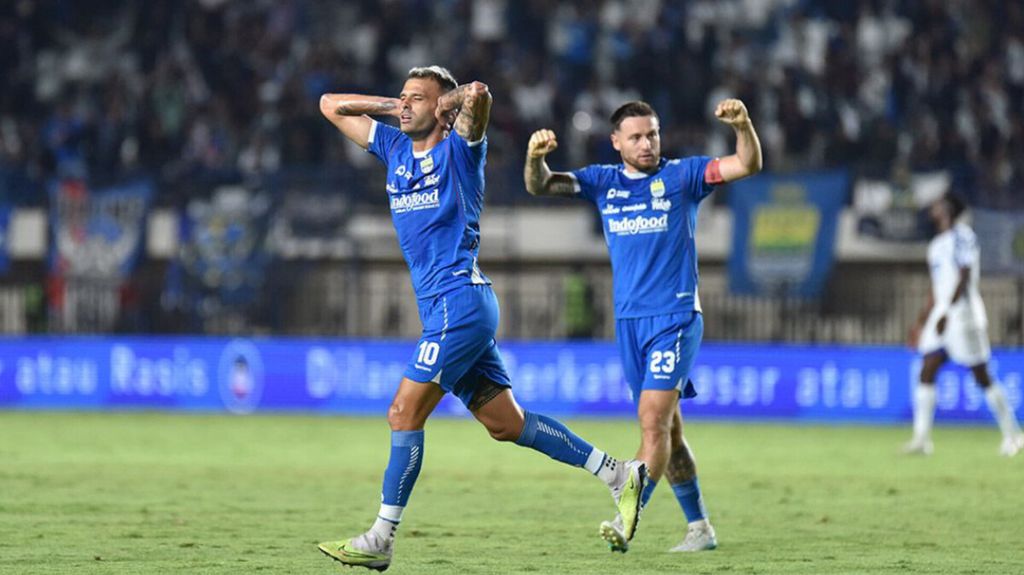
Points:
(713, 173)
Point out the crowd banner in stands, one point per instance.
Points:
(96, 236)
(1001, 239)
(222, 259)
(359, 377)
(784, 232)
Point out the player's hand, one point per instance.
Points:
(393, 107)
(732, 112)
(444, 114)
(941, 326)
(542, 143)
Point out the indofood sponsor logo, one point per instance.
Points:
(240, 376)
(414, 201)
(638, 225)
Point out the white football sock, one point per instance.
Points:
(924, 411)
(387, 521)
(604, 466)
(1000, 408)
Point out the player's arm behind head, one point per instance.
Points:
(473, 101)
(350, 113)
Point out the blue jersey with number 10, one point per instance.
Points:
(436, 197)
(649, 224)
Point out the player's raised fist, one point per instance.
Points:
(732, 112)
(542, 143)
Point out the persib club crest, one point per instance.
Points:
(657, 188)
(427, 165)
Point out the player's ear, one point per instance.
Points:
(615, 141)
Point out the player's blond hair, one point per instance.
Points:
(439, 74)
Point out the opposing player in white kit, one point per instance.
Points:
(953, 326)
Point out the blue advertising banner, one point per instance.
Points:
(784, 232)
(353, 377)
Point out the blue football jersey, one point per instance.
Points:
(649, 224)
(436, 197)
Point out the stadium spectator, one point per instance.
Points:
(181, 88)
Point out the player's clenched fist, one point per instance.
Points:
(732, 112)
(542, 143)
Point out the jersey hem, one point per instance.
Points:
(446, 289)
(657, 313)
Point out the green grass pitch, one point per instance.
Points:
(157, 493)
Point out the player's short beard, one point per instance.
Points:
(638, 166)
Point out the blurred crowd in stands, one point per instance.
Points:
(196, 92)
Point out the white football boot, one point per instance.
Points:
(700, 536)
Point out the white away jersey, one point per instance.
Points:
(948, 252)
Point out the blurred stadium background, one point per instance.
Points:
(164, 171)
(229, 206)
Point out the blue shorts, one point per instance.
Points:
(457, 349)
(658, 351)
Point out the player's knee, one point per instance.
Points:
(655, 426)
(503, 432)
(402, 417)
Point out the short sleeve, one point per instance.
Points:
(471, 152)
(587, 181)
(382, 140)
(965, 248)
(692, 174)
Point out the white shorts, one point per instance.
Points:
(965, 342)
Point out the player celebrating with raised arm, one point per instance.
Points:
(953, 325)
(649, 207)
(435, 185)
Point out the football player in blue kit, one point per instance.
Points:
(435, 186)
(648, 205)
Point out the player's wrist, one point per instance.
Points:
(742, 125)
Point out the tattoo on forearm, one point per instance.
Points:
(535, 176)
(453, 99)
(541, 182)
(467, 118)
(474, 104)
(558, 187)
(371, 108)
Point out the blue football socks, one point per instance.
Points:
(554, 440)
(688, 495)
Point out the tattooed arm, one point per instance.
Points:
(473, 101)
(351, 113)
(540, 180)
